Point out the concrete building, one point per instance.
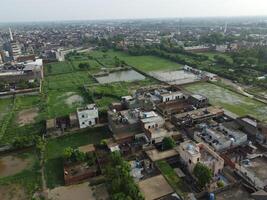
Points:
(124, 124)
(192, 153)
(221, 48)
(151, 120)
(254, 171)
(87, 116)
(27, 71)
(198, 101)
(15, 50)
(166, 96)
(189, 119)
(221, 138)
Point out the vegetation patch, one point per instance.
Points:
(172, 178)
(234, 102)
(55, 151)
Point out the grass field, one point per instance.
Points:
(10, 127)
(58, 68)
(212, 54)
(231, 101)
(105, 94)
(29, 179)
(55, 149)
(143, 63)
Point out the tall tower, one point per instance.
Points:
(225, 28)
(11, 35)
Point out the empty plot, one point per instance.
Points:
(236, 103)
(129, 75)
(175, 77)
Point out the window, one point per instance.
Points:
(197, 159)
(190, 161)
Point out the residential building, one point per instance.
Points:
(192, 153)
(88, 116)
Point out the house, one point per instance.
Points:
(88, 116)
(151, 120)
(124, 124)
(188, 119)
(198, 100)
(192, 153)
(222, 137)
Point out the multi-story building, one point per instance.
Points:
(87, 116)
(192, 153)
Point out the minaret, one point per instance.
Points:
(225, 28)
(11, 35)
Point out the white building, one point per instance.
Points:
(87, 116)
(221, 48)
(169, 95)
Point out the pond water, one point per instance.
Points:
(129, 75)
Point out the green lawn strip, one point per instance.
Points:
(172, 178)
(29, 179)
(55, 149)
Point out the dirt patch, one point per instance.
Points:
(78, 192)
(74, 99)
(27, 116)
(11, 165)
(12, 192)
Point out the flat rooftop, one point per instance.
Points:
(209, 111)
(155, 187)
(156, 155)
(236, 193)
(257, 166)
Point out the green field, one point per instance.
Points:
(231, 101)
(11, 126)
(103, 95)
(55, 149)
(28, 179)
(212, 54)
(143, 63)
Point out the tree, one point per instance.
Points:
(68, 153)
(40, 145)
(203, 174)
(84, 65)
(168, 143)
(121, 183)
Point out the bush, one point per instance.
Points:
(220, 184)
(168, 143)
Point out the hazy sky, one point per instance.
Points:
(43, 10)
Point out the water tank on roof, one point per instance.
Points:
(190, 147)
(211, 196)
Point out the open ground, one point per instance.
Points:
(234, 102)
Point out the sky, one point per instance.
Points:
(56, 10)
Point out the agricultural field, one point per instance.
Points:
(234, 102)
(104, 94)
(55, 149)
(143, 63)
(23, 118)
(19, 175)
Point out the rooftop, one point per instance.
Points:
(156, 155)
(155, 187)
